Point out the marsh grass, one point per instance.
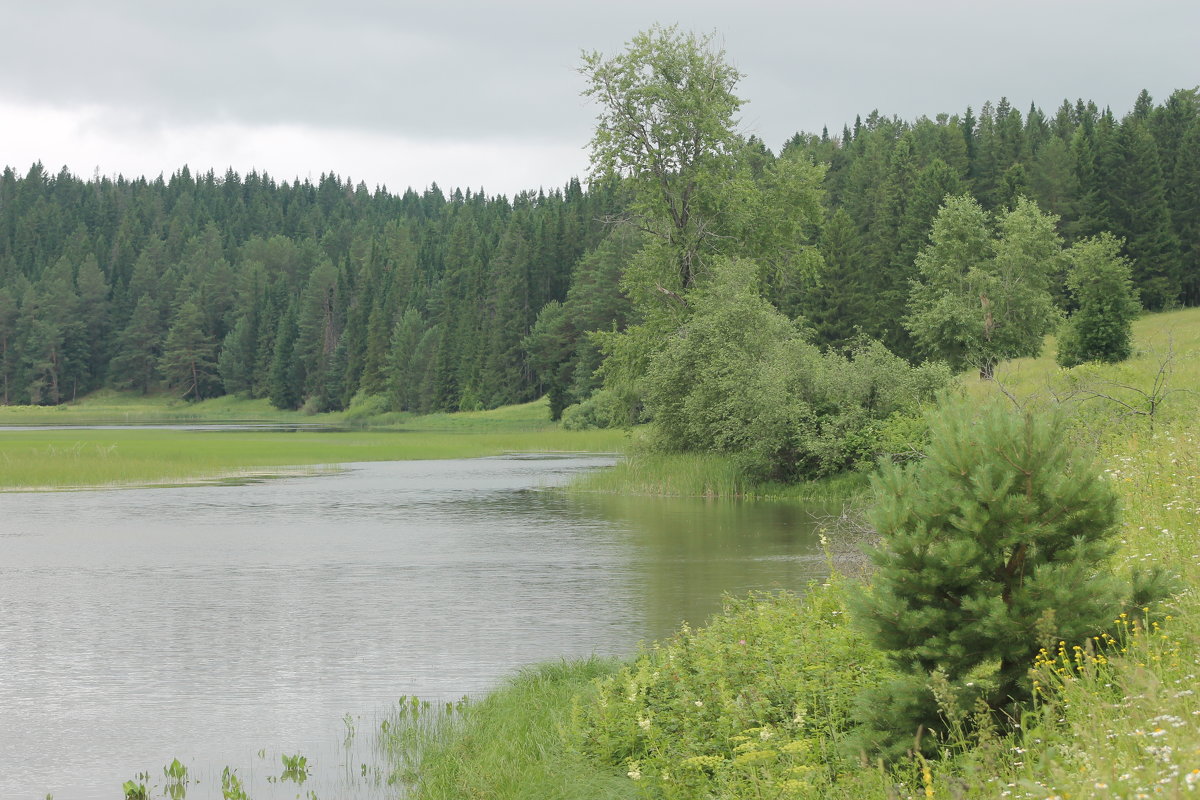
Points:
(650, 474)
(113, 407)
(74, 458)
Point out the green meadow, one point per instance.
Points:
(66, 458)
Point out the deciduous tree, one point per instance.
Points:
(982, 297)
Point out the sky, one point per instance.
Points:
(487, 95)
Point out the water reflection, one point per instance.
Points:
(685, 553)
(208, 623)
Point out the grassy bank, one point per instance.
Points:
(68, 458)
(509, 744)
(706, 475)
(755, 704)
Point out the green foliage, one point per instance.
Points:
(998, 542)
(1101, 329)
(508, 745)
(295, 768)
(134, 790)
(188, 363)
(666, 124)
(740, 378)
(755, 704)
(561, 351)
(231, 786)
(983, 297)
(604, 409)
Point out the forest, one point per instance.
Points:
(313, 294)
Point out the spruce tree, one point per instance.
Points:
(8, 336)
(1135, 200)
(993, 545)
(135, 365)
(286, 381)
(1185, 210)
(189, 361)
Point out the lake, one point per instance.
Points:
(227, 625)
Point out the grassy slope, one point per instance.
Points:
(1121, 723)
(74, 458)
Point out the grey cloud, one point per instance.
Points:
(506, 71)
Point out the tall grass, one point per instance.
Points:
(507, 745)
(706, 475)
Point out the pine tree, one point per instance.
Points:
(995, 544)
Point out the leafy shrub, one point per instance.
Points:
(740, 378)
(604, 409)
(364, 406)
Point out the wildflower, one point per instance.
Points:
(634, 772)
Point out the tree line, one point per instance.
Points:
(311, 293)
(303, 293)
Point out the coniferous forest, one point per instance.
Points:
(310, 294)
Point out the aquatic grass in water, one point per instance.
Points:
(96, 458)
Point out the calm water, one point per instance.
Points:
(227, 625)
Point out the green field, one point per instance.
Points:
(76, 458)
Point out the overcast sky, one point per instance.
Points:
(486, 94)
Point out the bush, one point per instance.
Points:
(364, 406)
(604, 409)
(740, 378)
